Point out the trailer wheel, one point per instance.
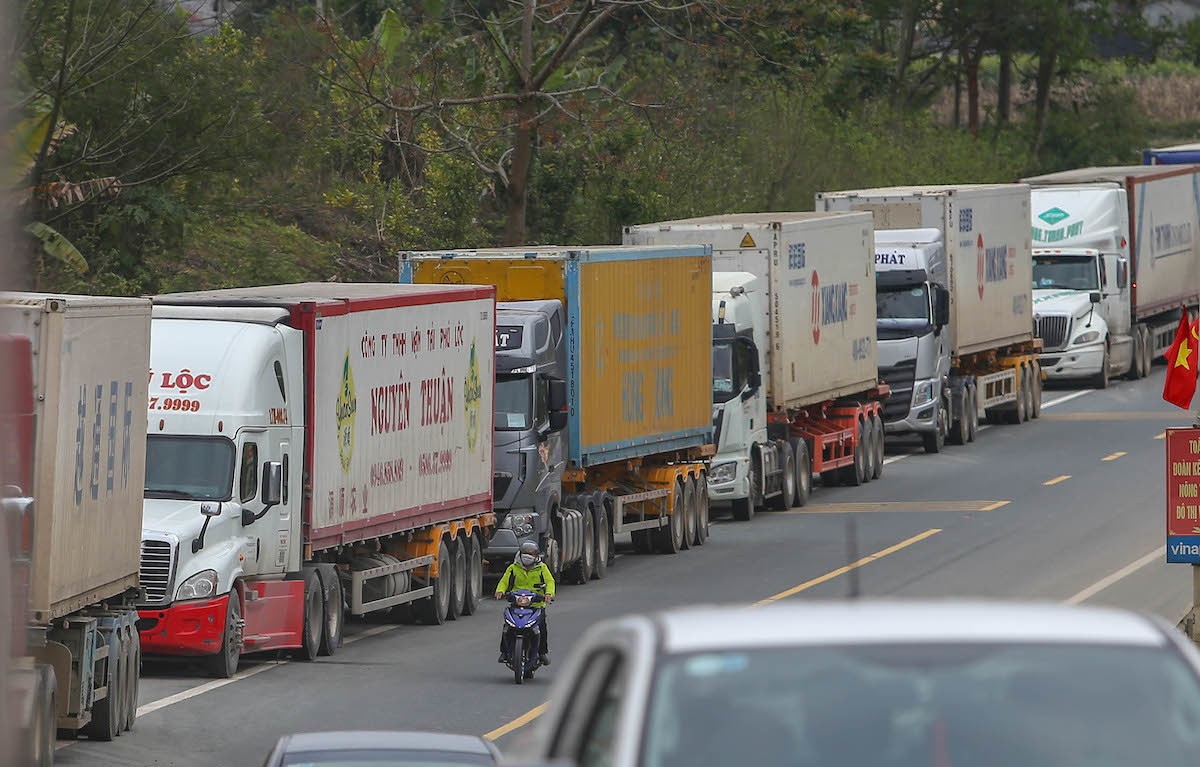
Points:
(1148, 350)
(689, 513)
(787, 494)
(458, 579)
(224, 663)
(669, 539)
(855, 474)
(474, 592)
(960, 426)
(702, 508)
(868, 434)
(135, 677)
(973, 413)
(880, 445)
(432, 609)
(131, 675)
(603, 537)
(803, 471)
(314, 617)
(1137, 361)
(333, 615)
(579, 572)
(106, 713)
(1035, 374)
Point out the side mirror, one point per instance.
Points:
(210, 509)
(558, 420)
(557, 394)
(272, 492)
(941, 306)
(1094, 296)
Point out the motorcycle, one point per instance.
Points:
(522, 635)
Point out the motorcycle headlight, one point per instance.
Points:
(723, 472)
(523, 601)
(923, 393)
(202, 584)
(1086, 338)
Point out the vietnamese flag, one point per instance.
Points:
(1180, 386)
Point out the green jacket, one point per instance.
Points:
(517, 577)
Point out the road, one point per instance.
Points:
(1066, 508)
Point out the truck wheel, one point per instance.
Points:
(135, 674)
(1148, 350)
(1100, 380)
(1035, 375)
(603, 538)
(959, 429)
(972, 413)
(803, 471)
(458, 579)
(855, 474)
(744, 508)
(787, 480)
(935, 441)
(106, 713)
(333, 611)
(314, 617)
(669, 539)
(432, 609)
(880, 445)
(224, 663)
(474, 591)
(580, 571)
(702, 506)
(1137, 363)
(689, 513)
(131, 675)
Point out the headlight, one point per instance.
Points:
(1086, 338)
(523, 601)
(202, 584)
(723, 472)
(923, 394)
(521, 523)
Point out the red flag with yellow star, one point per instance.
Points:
(1180, 386)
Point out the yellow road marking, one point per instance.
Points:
(994, 506)
(852, 566)
(1056, 480)
(534, 713)
(1112, 457)
(870, 507)
(1147, 415)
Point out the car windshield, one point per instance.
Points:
(907, 303)
(722, 372)
(190, 468)
(918, 705)
(382, 758)
(1065, 272)
(514, 402)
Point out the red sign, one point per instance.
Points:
(1183, 482)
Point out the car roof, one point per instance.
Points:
(386, 740)
(884, 622)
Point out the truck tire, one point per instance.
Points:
(1137, 362)
(432, 609)
(744, 508)
(314, 617)
(224, 663)
(935, 441)
(689, 513)
(106, 713)
(458, 579)
(333, 616)
(603, 536)
(872, 455)
(579, 572)
(129, 689)
(803, 471)
(787, 480)
(1148, 350)
(669, 539)
(880, 445)
(1035, 373)
(855, 474)
(135, 677)
(1101, 379)
(960, 428)
(705, 508)
(474, 593)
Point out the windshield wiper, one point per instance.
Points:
(166, 492)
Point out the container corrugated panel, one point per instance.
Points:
(989, 246)
(820, 268)
(639, 336)
(90, 372)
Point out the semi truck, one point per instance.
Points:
(75, 380)
(602, 424)
(1116, 260)
(955, 326)
(794, 380)
(383, 394)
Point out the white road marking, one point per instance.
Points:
(1067, 398)
(1121, 574)
(373, 631)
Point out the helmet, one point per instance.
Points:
(529, 555)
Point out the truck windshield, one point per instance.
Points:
(1065, 272)
(731, 367)
(514, 402)
(898, 704)
(903, 303)
(189, 468)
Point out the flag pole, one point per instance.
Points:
(1190, 620)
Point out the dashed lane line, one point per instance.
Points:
(1113, 456)
(1058, 479)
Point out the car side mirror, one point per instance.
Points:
(941, 306)
(558, 420)
(1094, 296)
(557, 394)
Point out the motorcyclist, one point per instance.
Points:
(529, 572)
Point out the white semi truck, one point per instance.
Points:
(1116, 259)
(954, 317)
(794, 372)
(74, 370)
(314, 450)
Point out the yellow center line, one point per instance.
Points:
(994, 506)
(1056, 480)
(534, 713)
(1112, 457)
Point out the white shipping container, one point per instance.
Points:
(820, 271)
(91, 360)
(989, 252)
(402, 424)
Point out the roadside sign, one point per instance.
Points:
(1183, 495)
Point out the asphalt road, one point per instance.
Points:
(1065, 508)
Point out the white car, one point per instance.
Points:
(877, 684)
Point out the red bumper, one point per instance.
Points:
(184, 628)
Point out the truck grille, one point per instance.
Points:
(1053, 331)
(158, 570)
(900, 378)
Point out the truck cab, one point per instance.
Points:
(530, 454)
(222, 498)
(914, 335)
(1081, 286)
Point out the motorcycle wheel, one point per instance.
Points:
(518, 659)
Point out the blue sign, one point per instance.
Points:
(1183, 549)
